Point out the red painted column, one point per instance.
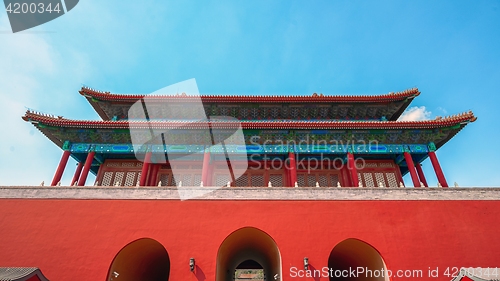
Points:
(352, 167)
(437, 169)
(421, 175)
(155, 179)
(205, 168)
(293, 168)
(86, 168)
(60, 169)
(78, 171)
(287, 175)
(346, 178)
(145, 169)
(153, 174)
(210, 175)
(411, 169)
(150, 172)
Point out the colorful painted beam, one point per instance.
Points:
(373, 148)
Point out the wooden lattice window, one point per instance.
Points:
(379, 174)
(119, 172)
(260, 177)
(118, 180)
(165, 179)
(189, 174)
(276, 179)
(242, 181)
(323, 178)
(130, 179)
(222, 179)
(257, 180)
(107, 178)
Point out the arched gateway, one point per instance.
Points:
(353, 254)
(143, 259)
(250, 249)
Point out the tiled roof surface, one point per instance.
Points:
(19, 273)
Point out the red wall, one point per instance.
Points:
(78, 239)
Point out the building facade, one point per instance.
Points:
(293, 188)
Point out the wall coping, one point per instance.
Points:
(251, 193)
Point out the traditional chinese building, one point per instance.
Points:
(322, 135)
(282, 187)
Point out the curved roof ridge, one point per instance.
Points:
(106, 95)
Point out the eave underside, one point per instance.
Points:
(371, 140)
(109, 110)
(368, 144)
(254, 136)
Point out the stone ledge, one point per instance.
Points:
(250, 193)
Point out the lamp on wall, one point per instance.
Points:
(115, 275)
(191, 264)
(306, 263)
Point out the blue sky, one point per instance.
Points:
(449, 50)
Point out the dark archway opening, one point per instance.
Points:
(249, 270)
(354, 253)
(144, 259)
(248, 249)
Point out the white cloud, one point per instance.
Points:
(29, 66)
(416, 113)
